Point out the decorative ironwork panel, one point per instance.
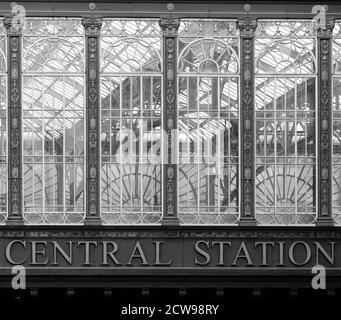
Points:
(324, 35)
(53, 121)
(285, 122)
(208, 121)
(170, 28)
(131, 121)
(3, 125)
(92, 32)
(336, 123)
(14, 122)
(247, 33)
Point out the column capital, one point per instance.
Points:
(247, 27)
(92, 26)
(13, 29)
(170, 26)
(326, 31)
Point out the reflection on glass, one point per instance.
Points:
(131, 79)
(3, 150)
(53, 122)
(208, 114)
(285, 117)
(3, 126)
(336, 139)
(337, 150)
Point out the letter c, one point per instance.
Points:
(173, 309)
(9, 255)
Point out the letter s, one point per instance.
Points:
(202, 252)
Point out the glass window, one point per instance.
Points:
(336, 67)
(3, 125)
(53, 121)
(131, 121)
(208, 122)
(285, 115)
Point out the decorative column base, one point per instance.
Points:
(93, 221)
(325, 222)
(247, 222)
(170, 221)
(15, 221)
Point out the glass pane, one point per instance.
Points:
(208, 121)
(130, 46)
(3, 150)
(336, 150)
(131, 122)
(3, 125)
(53, 121)
(208, 46)
(285, 47)
(208, 150)
(285, 116)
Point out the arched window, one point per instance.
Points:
(53, 121)
(336, 69)
(285, 115)
(208, 121)
(131, 121)
(3, 125)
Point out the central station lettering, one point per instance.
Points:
(149, 253)
(264, 253)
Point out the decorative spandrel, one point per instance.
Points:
(208, 46)
(280, 29)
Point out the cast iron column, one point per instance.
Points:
(14, 54)
(325, 132)
(92, 28)
(247, 29)
(170, 122)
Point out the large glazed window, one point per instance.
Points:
(131, 121)
(336, 68)
(3, 125)
(53, 121)
(208, 116)
(285, 113)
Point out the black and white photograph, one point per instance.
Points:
(170, 159)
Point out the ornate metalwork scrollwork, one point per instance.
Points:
(170, 31)
(92, 32)
(324, 36)
(247, 33)
(14, 123)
